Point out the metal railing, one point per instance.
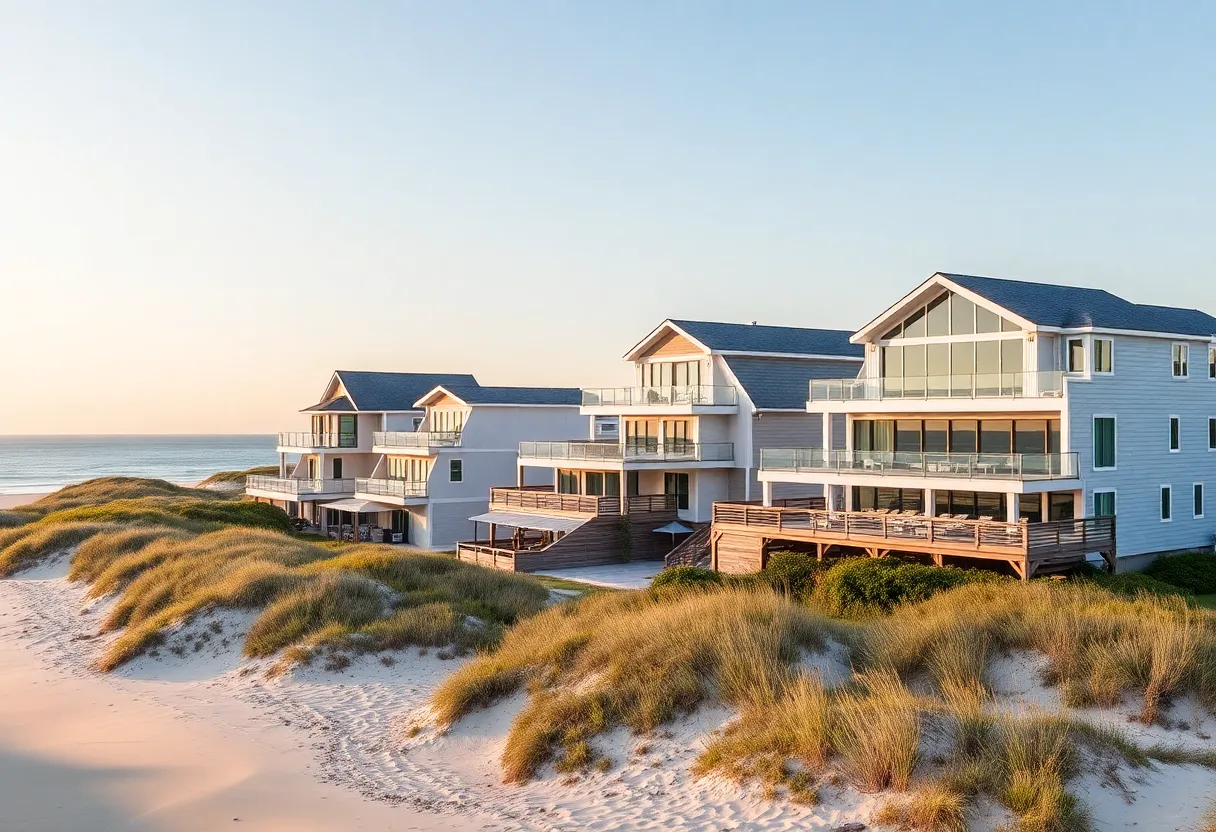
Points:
(416, 439)
(972, 386)
(638, 450)
(391, 488)
(297, 486)
(697, 394)
(891, 463)
(318, 440)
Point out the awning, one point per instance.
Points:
(544, 522)
(351, 504)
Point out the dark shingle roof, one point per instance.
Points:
(789, 340)
(1052, 305)
(784, 383)
(371, 391)
(338, 405)
(476, 394)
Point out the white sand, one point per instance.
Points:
(195, 735)
(14, 500)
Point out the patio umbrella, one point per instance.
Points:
(673, 528)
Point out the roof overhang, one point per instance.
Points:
(927, 290)
(354, 504)
(658, 332)
(435, 394)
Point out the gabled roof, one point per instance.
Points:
(475, 394)
(376, 392)
(1067, 307)
(338, 405)
(783, 383)
(755, 339)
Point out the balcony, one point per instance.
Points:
(317, 441)
(542, 499)
(387, 442)
(629, 451)
(297, 487)
(1048, 383)
(1018, 467)
(684, 399)
(401, 489)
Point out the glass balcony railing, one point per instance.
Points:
(416, 439)
(298, 486)
(973, 386)
(660, 396)
(391, 488)
(318, 441)
(631, 451)
(896, 464)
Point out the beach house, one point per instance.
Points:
(1028, 423)
(706, 399)
(409, 457)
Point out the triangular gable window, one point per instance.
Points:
(950, 314)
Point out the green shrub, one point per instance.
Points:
(793, 573)
(1194, 571)
(686, 576)
(1133, 583)
(859, 585)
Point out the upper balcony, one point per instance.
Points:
(1016, 467)
(297, 488)
(698, 398)
(413, 441)
(305, 442)
(630, 453)
(396, 490)
(1047, 384)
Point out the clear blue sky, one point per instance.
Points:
(206, 207)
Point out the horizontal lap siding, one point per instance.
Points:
(449, 522)
(791, 430)
(737, 554)
(1142, 394)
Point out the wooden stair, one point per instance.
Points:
(694, 550)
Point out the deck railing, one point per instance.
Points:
(696, 394)
(416, 439)
(544, 498)
(391, 488)
(963, 386)
(297, 486)
(898, 464)
(318, 440)
(640, 450)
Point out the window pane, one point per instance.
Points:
(1076, 356)
(914, 370)
(1175, 439)
(907, 436)
(962, 368)
(612, 484)
(1030, 436)
(1198, 499)
(1104, 504)
(964, 434)
(936, 435)
(996, 436)
(986, 321)
(1009, 326)
(1166, 508)
(991, 505)
(1104, 442)
(939, 316)
(962, 316)
(884, 435)
(1053, 436)
(595, 483)
(987, 358)
(862, 435)
(892, 362)
(914, 325)
(895, 333)
(938, 366)
(1103, 355)
(1060, 506)
(1212, 362)
(1212, 433)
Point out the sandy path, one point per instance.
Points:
(82, 751)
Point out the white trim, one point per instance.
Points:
(1094, 356)
(810, 356)
(1203, 499)
(1170, 436)
(1164, 489)
(1092, 509)
(1086, 356)
(461, 461)
(1092, 433)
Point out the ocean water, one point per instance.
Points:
(41, 464)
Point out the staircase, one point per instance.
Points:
(692, 551)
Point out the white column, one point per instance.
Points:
(1012, 507)
(282, 465)
(767, 489)
(1043, 506)
(930, 502)
(747, 485)
(829, 493)
(848, 497)
(827, 433)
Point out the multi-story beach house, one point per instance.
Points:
(707, 398)
(1024, 422)
(409, 457)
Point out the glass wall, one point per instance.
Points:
(960, 436)
(670, 374)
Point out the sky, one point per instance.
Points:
(205, 208)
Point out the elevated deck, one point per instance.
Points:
(743, 532)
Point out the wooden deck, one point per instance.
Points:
(542, 499)
(742, 533)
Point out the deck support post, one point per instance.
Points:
(766, 489)
(930, 502)
(1013, 509)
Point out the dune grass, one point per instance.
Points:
(931, 808)
(24, 546)
(12, 519)
(234, 478)
(108, 489)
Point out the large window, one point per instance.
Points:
(950, 314)
(677, 484)
(567, 482)
(603, 484)
(958, 436)
(1104, 503)
(408, 468)
(1167, 507)
(1104, 355)
(1181, 355)
(1175, 435)
(671, 374)
(1104, 442)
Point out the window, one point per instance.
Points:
(567, 482)
(1197, 494)
(1166, 507)
(1175, 435)
(677, 484)
(338, 468)
(1104, 503)
(1211, 362)
(456, 470)
(1211, 434)
(1104, 355)
(348, 432)
(1076, 355)
(417, 422)
(1104, 442)
(1182, 360)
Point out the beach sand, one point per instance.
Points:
(12, 500)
